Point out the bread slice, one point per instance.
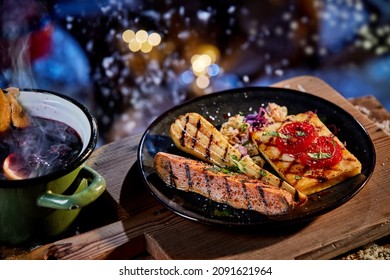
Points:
(304, 178)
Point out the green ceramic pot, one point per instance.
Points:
(46, 206)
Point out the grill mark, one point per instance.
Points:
(290, 166)
(348, 159)
(208, 146)
(280, 184)
(225, 154)
(261, 192)
(172, 176)
(207, 179)
(246, 196)
(195, 139)
(290, 163)
(320, 175)
(188, 174)
(323, 171)
(228, 190)
(184, 131)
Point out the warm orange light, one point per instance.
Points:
(200, 63)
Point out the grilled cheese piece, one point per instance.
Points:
(304, 178)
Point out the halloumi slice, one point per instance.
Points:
(305, 179)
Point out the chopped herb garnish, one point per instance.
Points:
(238, 164)
(276, 134)
(246, 143)
(298, 177)
(243, 127)
(263, 173)
(300, 133)
(319, 155)
(226, 169)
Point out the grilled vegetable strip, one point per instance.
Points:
(5, 112)
(195, 135)
(198, 137)
(238, 190)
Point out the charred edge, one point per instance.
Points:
(225, 153)
(208, 146)
(184, 131)
(227, 186)
(261, 192)
(290, 166)
(195, 139)
(280, 183)
(246, 195)
(188, 174)
(207, 179)
(309, 117)
(296, 197)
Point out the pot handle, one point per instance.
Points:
(96, 186)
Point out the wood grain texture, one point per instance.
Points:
(146, 229)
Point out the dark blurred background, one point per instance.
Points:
(129, 61)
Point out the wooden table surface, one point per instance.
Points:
(129, 222)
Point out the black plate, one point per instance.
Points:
(216, 107)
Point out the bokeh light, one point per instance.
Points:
(203, 66)
(128, 35)
(154, 39)
(202, 81)
(141, 40)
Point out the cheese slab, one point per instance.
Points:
(293, 158)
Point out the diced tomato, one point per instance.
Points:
(295, 137)
(323, 152)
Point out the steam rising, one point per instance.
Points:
(17, 20)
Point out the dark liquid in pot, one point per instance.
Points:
(46, 145)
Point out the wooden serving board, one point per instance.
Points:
(146, 229)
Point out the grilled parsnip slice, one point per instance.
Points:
(195, 135)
